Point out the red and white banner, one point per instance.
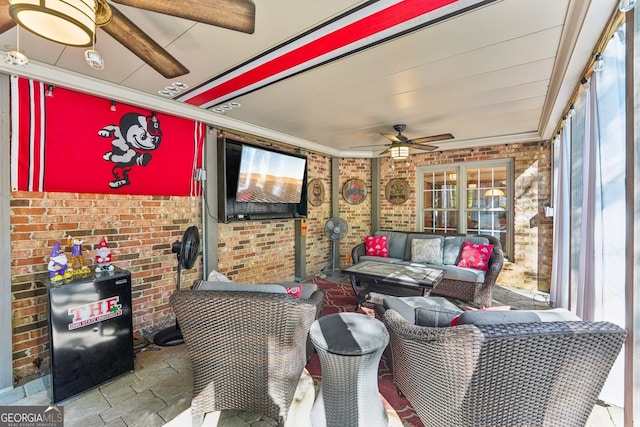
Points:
(364, 26)
(73, 142)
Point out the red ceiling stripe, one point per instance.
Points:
(358, 30)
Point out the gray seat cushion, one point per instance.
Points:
(396, 241)
(477, 239)
(451, 250)
(239, 287)
(424, 311)
(278, 288)
(451, 272)
(480, 317)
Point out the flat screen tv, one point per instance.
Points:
(269, 177)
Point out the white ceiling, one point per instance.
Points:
(502, 72)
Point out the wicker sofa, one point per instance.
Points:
(247, 346)
(468, 284)
(502, 374)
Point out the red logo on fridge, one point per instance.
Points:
(94, 312)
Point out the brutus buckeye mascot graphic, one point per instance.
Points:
(132, 140)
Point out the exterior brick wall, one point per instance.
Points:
(403, 216)
(358, 216)
(139, 230)
(257, 251)
(318, 246)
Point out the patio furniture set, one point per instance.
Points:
(467, 275)
(249, 344)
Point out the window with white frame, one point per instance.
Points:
(473, 197)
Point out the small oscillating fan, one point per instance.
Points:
(187, 252)
(335, 229)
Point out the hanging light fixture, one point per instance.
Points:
(69, 22)
(399, 152)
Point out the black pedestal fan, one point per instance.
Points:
(187, 252)
(335, 229)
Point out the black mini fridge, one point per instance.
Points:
(91, 332)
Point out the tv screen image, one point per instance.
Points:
(269, 177)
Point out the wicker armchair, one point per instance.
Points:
(247, 349)
(528, 374)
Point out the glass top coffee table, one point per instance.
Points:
(408, 276)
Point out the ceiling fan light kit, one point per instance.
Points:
(400, 146)
(70, 22)
(399, 152)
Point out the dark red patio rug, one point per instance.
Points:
(339, 298)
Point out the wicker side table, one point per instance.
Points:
(349, 346)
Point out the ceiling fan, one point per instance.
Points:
(238, 15)
(400, 145)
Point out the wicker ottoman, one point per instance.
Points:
(349, 346)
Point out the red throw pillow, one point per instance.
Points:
(295, 291)
(377, 246)
(454, 321)
(475, 255)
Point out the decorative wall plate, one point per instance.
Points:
(315, 192)
(354, 191)
(397, 191)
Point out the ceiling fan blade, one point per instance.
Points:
(238, 15)
(432, 138)
(424, 147)
(392, 138)
(6, 23)
(371, 146)
(138, 42)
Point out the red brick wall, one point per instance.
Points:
(257, 251)
(318, 246)
(139, 230)
(398, 217)
(358, 216)
(533, 247)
